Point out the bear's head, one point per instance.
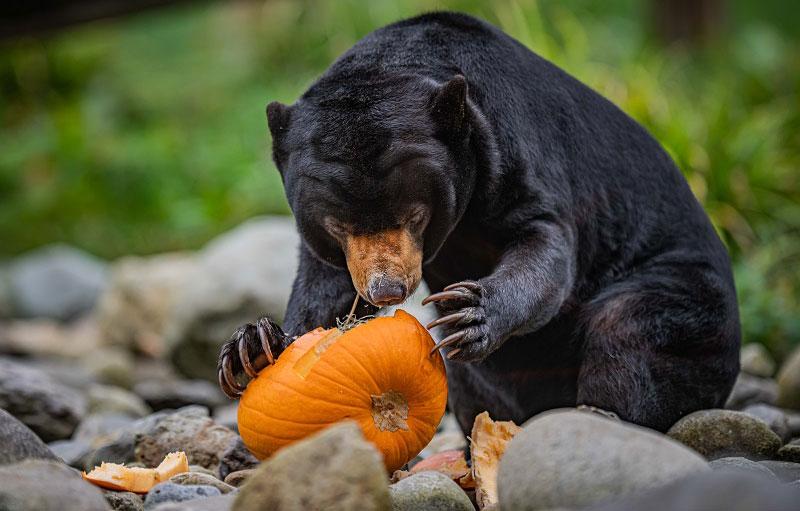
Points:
(378, 171)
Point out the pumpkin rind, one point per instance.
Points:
(380, 374)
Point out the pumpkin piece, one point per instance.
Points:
(487, 444)
(174, 463)
(113, 476)
(450, 463)
(380, 373)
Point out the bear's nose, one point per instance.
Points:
(383, 291)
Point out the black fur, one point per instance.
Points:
(600, 278)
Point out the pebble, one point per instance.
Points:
(717, 491)
(124, 500)
(111, 399)
(73, 452)
(750, 390)
(789, 382)
(18, 442)
(110, 365)
(227, 415)
(774, 417)
(239, 477)
(431, 491)
(739, 464)
(49, 409)
(757, 361)
(235, 458)
(335, 469)
(171, 394)
(169, 492)
(220, 503)
(724, 433)
(188, 429)
(37, 485)
(56, 281)
(571, 459)
(198, 478)
(96, 429)
(790, 452)
(785, 470)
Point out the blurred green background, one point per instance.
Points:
(146, 133)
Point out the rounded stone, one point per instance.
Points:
(789, 382)
(239, 477)
(571, 459)
(756, 360)
(739, 464)
(774, 417)
(124, 500)
(198, 478)
(725, 433)
(335, 469)
(430, 491)
(169, 492)
(36, 485)
(18, 442)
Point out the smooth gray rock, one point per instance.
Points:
(789, 382)
(37, 485)
(171, 394)
(124, 500)
(785, 470)
(169, 492)
(739, 464)
(236, 457)
(189, 429)
(336, 469)
(50, 409)
(725, 433)
(232, 291)
(239, 477)
(200, 479)
(96, 429)
(74, 453)
(56, 281)
(112, 399)
(756, 360)
(430, 491)
(574, 458)
(774, 417)
(221, 503)
(711, 492)
(18, 442)
(750, 390)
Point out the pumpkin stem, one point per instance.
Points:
(390, 411)
(351, 321)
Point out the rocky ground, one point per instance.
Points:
(111, 362)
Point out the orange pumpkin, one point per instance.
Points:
(380, 374)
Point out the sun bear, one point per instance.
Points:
(569, 261)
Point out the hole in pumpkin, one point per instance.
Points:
(390, 411)
(303, 366)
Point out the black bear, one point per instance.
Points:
(568, 259)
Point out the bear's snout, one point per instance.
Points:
(382, 291)
(386, 267)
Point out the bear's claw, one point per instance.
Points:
(250, 349)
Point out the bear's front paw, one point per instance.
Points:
(462, 307)
(250, 349)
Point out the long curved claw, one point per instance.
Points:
(450, 340)
(452, 318)
(223, 384)
(241, 345)
(263, 336)
(468, 284)
(230, 379)
(445, 295)
(453, 353)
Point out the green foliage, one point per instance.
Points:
(148, 134)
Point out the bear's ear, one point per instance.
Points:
(278, 117)
(449, 106)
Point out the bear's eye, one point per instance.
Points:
(335, 228)
(418, 218)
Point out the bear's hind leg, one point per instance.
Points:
(659, 345)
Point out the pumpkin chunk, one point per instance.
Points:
(113, 476)
(488, 443)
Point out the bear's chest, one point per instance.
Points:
(466, 254)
